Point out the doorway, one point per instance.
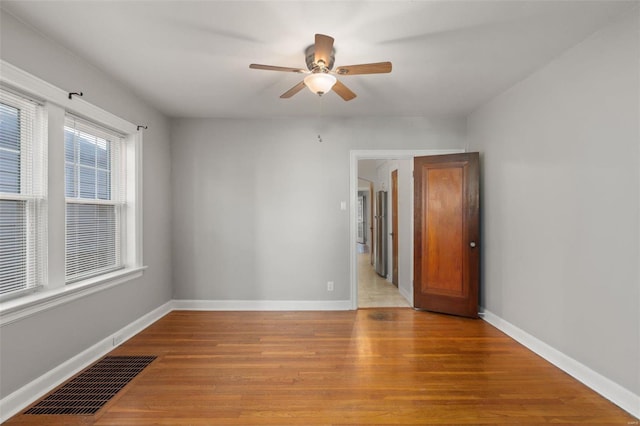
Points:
(405, 284)
(375, 291)
(376, 286)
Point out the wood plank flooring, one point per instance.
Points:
(365, 367)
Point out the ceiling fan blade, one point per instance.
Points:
(275, 68)
(376, 68)
(295, 89)
(343, 91)
(323, 48)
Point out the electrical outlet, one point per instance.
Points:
(329, 285)
(117, 340)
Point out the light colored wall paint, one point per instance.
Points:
(35, 345)
(560, 203)
(405, 228)
(367, 170)
(257, 202)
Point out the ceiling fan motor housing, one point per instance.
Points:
(310, 58)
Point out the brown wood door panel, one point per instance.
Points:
(446, 227)
(443, 228)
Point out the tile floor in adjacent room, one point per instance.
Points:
(373, 290)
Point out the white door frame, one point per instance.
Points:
(383, 154)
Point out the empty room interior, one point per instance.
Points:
(336, 213)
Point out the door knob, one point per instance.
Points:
(472, 244)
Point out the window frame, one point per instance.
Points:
(117, 190)
(56, 104)
(32, 190)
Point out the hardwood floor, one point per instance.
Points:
(372, 366)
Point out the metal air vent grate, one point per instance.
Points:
(86, 393)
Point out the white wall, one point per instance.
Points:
(560, 203)
(367, 170)
(257, 202)
(405, 228)
(38, 343)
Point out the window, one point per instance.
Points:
(22, 195)
(94, 199)
(80, 231)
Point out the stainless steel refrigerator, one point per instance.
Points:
(381, 233)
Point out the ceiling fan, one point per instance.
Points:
(320, 57)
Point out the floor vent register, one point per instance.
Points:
(86, 393)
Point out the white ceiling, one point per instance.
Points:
(191, 58)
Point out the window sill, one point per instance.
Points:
(22, 307)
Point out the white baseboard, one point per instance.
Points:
(26, 395)
(615, 393)
(262, 305)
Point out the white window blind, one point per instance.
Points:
(94, 180)
(23, 218)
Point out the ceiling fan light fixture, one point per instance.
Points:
(320, 57)
(319, 83)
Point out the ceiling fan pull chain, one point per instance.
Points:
(320, 117)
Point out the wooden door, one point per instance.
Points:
(446, 228)
(394, 227)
